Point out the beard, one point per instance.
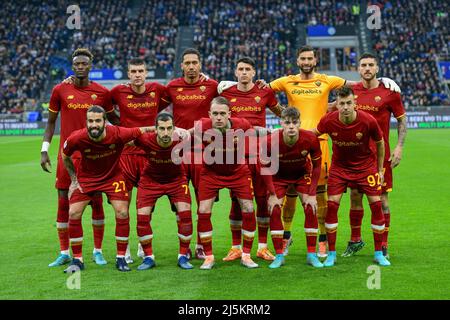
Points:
(308, 71)
(98, 132)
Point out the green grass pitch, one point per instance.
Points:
(420, 206)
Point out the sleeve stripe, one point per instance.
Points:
(379, 141)
(49, 109)
(314, 159)
(165, 100)
(403, 115)
(112, 110)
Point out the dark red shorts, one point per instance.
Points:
(301, 185)
(177, 191)
(114, 189)
(240, 184)
(367, 182)
(132, 166)
(63, 180)
(388, 180)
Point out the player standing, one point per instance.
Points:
(161, 177)
(249, 102)
(191, 99)
(72, 101)
(138, 103)
(299, 159)
(374, 98)
(353, 163)
(308, 91)
(99, 171)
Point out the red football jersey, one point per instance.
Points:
(139, 110)
(250, 105)
(351, 143)
(99, 160)
(160, 166)
(191, 102)
(232, 158)
(294, 161)
(380, 102)
(73, 102)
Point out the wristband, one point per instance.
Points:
(45, 146)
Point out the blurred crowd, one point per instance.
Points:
(413, 34)
(29, 35)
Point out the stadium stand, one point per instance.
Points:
(413, 35)
(34, 42)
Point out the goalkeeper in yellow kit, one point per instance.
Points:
(308, 92)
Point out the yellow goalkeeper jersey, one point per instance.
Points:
(310, 97)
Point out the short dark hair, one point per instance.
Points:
(366, 55)
(290, 112)
(83, 52)
(247, 60)
(163, 116)
(191, 51)
(97, 109)
(306, 49)
(136, 62)
(220, 100)
(344, 91)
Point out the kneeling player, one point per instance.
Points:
(353, 163)
(161, 177)
(100, 147)
(298, 148)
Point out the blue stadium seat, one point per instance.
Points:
(34, 116)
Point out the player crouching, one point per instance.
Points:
(100, 147)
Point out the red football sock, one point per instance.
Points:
(204, 231)
(331, 224)
(356, 216)
(184, 223)
(387, 223)
(236, 223)
(311, 228)
(76, 237)
(276, 229)
(263, 218)
(248, 230)
(98, 221)
(145, 233)
(122, 233)
(377, 224)
(62, 223)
